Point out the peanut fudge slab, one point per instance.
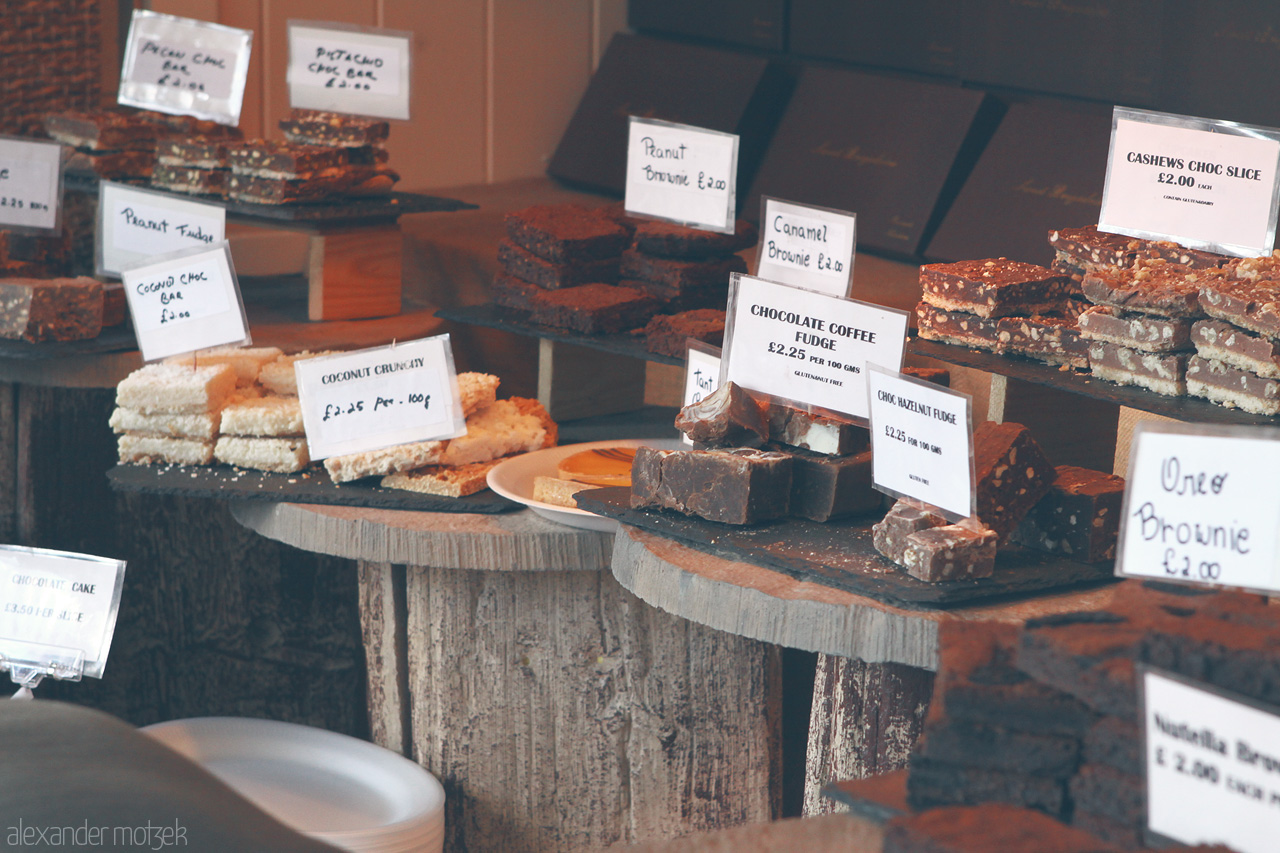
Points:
(161, 450)
(1011, 473)
(274, 159)
(194, 153)
(314, 127)
(278, 455)
(985, 828)
(728, 417)
(54, 309)
(889, 535)
(669, 334)
(1219, 341)
(1164, 373)
(1087, 246)
(958, 327)
(670, 240)
(1233, 388)
(742, 486)
(680, 274)
(104, 130)
(176, 389)
(593, 309)
(1145, 332)
(523, 264)
(675, 300)
(1150, 287)
(812, 431)
(949, 553)
(1251, 305)
(191, 180)
(566, 233)
(934, 783)
(1079, 517)
(1052, 339)
(995, 287)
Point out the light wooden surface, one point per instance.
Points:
(355, 273)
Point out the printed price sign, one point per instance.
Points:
(809, 247)
(921, 441)
(30, 184)
(1205, 184)
(682, 173)
(1213, 764)
(346, 69)
(807, 347)
(186, 301)
(701, 374)
(136, 225)
(57, 610)
(1201, 506)
(185, 67)
(380, 397)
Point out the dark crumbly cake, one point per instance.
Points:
(55, 309)
(995, 287)
(675, 300)
(313, 127)
(983, 829)
(681, 274)
(523, 264)
(668, 334)
(670, 240)
(593, 309)
(566, 233)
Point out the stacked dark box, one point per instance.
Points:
(750, 23)
(910, 35)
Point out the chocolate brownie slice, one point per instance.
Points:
(1106, 791)
(935, 783)
(675, 300)
(679, 274)
(1115, 742)
(983, 829)
(511, 292)
(670, 240)
(1079, 517)
(522, 263)
(669, 334)
(995, 287)
(1089, 655)
(566, 233)
(593, 309)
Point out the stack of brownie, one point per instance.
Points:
(113, 144)
(669, 334)
(685, 268)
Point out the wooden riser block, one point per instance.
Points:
(576, 382)
(355, 274)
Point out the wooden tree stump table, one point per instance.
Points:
(559, 711)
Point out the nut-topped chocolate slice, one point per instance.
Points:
(1151, 286)
(995, 287)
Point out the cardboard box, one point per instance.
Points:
(702, 86)
(1044, 168)
(890, 150)
(750, 23)
(911, 35)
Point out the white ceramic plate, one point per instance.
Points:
(513, 479)
(318, 782)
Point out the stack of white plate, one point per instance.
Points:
(344, 791)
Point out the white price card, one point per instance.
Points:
(809, 247)
(185, 67)
(346, 69)
(1213, 764)
(807, 347)
(701, 374)
(380, 397)
(1205, 184)
(186, 301)
(1200, 506)
(921, 441)
(57, 607)
(30, 184)
(682, 173)
(135, 225)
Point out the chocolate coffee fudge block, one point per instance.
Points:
(670, 240)
(935, 783)
(812, 431)
(995, 287)
(104, 130)
(1051, 339)
(1164, 373)
(1079, 517)
(675, 300)
(311, 127)
(1219, 341)
(524, 264)
(594, 309)
(679, 274)
(742, 486)
(984, 829)
(193, 153)
(728, 417)
(1085, 247)
(284, 160)
(669, 334)
(1150, 287)
(993, 748)
(54, 309)
(958, 327)
(191, 180)
(1231, 387)
(1251, 305)
(904, 518)
(566, 233)
(828, 487)
(950, 553)
(1011, 474)
(1146, 332)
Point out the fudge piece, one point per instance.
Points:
(176, 389)
(680, 274)
(1251, 305)
(1237, 348)
(263, 416)
(934, 783)
(274, 159)
(523, 264)
(247, 362)
(1084, 247)
(1011, 473)
(112, 165)
(446, 481)
(566, 233)
(594, 309)
(104, 130)
(1146, 332)
(1078, 518)
(278, 455)
(1150, 287)
(54, 309)
(741, 486)
(995, 287)
(1055, 340)
(1164, 373)
(201, 425)
(958, 327)
(727, 417)
(670, 240)
(985, 828)
(669, 334)
(890, 534)
(191, 180)
(950, 552)
(812, 431)
(197, 153)
(1231, 387)
(989, 747)
(312, 127)
(826, 487)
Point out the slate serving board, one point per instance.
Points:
(226, 483)
(116, 338)
(840, 554)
